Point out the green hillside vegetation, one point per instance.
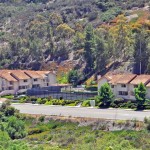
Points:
(21, 132)
(34, 33)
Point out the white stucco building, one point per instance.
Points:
(123, 85)
(19, 81)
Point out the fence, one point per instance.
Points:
(62, 95)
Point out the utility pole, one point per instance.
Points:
(140, 57)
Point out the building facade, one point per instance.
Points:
(123, 85)
(19, 81)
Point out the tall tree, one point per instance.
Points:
(101, 54)
(89, 48)
(121, 39)
(141, 52)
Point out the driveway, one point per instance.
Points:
(82, 112)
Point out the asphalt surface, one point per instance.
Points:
(119, 114)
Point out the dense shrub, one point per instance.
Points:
(16, 128)
(41, 118)
(86, 103)
(34, 131)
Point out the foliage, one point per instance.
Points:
(141, 52)
(140, 94)
(63, 79)
(106, 94)
(73, 77)
(86, 103)
(16, 128)
(61, 135)
(89, 47)
(8, 96)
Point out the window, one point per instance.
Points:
(35, 86)
(112, 86)
(123, 85)
(23, 87)
(10, 88)
(35, 80)
(123, 93)
(11, 83)
(25, 80)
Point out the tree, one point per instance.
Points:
(89, 48)
(141, 52)
(140, 94)
(73, 77)
(101, 54)
(65, 30)
(106, 94)
(121, 39)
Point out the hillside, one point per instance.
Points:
(63, 34)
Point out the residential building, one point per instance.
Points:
(19, 81)
(123, 85)
(8, 84)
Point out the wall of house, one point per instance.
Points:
(129, 88)
(38, 82)
(131, 91)
(148, 93)
(52, 78)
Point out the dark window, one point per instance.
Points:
(35, 86)
(123, 85)
(112, 86)
(25, 80)
(123, 93)
(35, 80)
(11, 83)
(23, 87)
(10, 88)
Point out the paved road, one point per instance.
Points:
(82, 112)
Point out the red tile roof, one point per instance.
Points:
(115, 79)
(126, 78)
(141, 79)
(6, 75)
(19, 74)
(33, 74)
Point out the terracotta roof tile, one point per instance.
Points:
(19, 74)
(33, 74)
(115, 78)
(141, 78)
(126, 78)
(43, 73)
(6, 75)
